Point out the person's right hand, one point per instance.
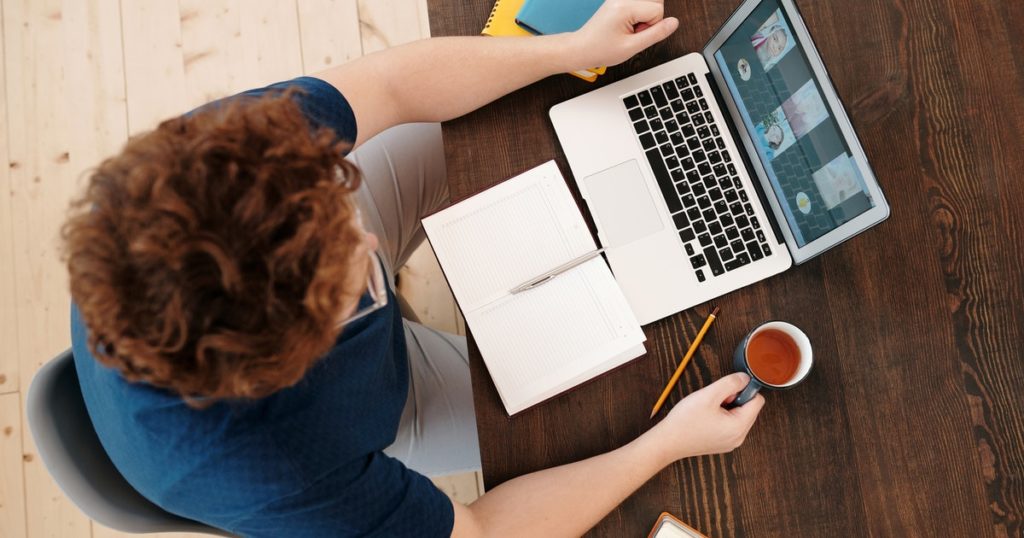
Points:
(618, 30)
(699, 424)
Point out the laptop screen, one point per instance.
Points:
(809, 164)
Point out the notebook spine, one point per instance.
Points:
(490, 19)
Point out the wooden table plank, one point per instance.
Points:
(910, 423)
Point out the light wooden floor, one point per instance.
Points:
(79, 77)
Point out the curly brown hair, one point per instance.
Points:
(213, 255)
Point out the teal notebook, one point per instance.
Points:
(546, 17)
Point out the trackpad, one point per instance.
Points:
(622, 204)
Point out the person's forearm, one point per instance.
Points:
(568, 500)
(443, 78)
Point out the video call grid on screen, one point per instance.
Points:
(809, 164)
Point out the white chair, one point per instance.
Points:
(73, 455)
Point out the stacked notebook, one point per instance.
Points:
(543, 341)
(538, 17)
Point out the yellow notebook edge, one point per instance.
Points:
(502, 23)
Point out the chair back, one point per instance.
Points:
(72, 453)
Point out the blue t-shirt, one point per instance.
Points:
(305, 461)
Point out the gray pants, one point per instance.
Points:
(404, 180)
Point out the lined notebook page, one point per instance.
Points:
(545, 340)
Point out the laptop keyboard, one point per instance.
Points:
(709, 205)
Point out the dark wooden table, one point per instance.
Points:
(912, 422)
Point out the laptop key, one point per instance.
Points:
(677, 176)
(765, 250)
(661, 137)
(737, 183)
(687, 163)
(726, 219)
(737, 262)
(705, 240)
(631, 102)
(716, 194)
(700, 275)
(714, 157)
(703, 132)
(689, 249)
(755, 251)
(737, 246)
(692, 78)
(688, 94)
(747, 234)
(704, 203)
(683, 118)
(709, 214)
(742, 221)
(681, 82)
(726, 156)
(647, 141)
(656, 124)
(682, 151)
(698, 261)
(736, 209)
(713, 261)
(664, 180)
(692, 176)
(760, 236)
(725, 254)
(743, 196)
(699, 189)
(659, 96)
(666, 148)
(698, 156)
(704, 106)
(687, 235)
(680, 220)
(732, 233)
(692, 143)
(714, 130)
(671, 125)
(641, 127)
(693, 108)
(688, 130)
(721, 241)
(677, 106)
(700, 226)
(704, 169)
(754, 223)
(645, 98)
(715, 228)
(709, 144)
(694, 214)
(697, 90)
(747, 207)
(671, 161)
(650, 111)
(720, 143)
(636, 114)
(709, 181)
(666, 113)
(697, 119)
(731, 196)
(670, 90)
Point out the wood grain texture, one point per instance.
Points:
(9, 379)
(12, 484)
(910, 424)
(330, 33)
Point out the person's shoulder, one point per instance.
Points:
(323, 104)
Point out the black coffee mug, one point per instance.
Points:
(740, 363)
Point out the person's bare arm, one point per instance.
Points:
(568, 500)
(443, 78)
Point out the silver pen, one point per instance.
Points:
(534, 282)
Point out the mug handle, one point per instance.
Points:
(746, 394)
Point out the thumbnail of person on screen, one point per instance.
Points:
(772, 40)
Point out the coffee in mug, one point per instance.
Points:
(776, 355)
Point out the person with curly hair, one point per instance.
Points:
(235, 329)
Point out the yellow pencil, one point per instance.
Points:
(686, 360)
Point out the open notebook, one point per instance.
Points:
(546, 340)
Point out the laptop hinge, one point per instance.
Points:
(754, 178)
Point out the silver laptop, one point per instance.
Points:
(716, 170)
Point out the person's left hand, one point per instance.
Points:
(619, 30)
